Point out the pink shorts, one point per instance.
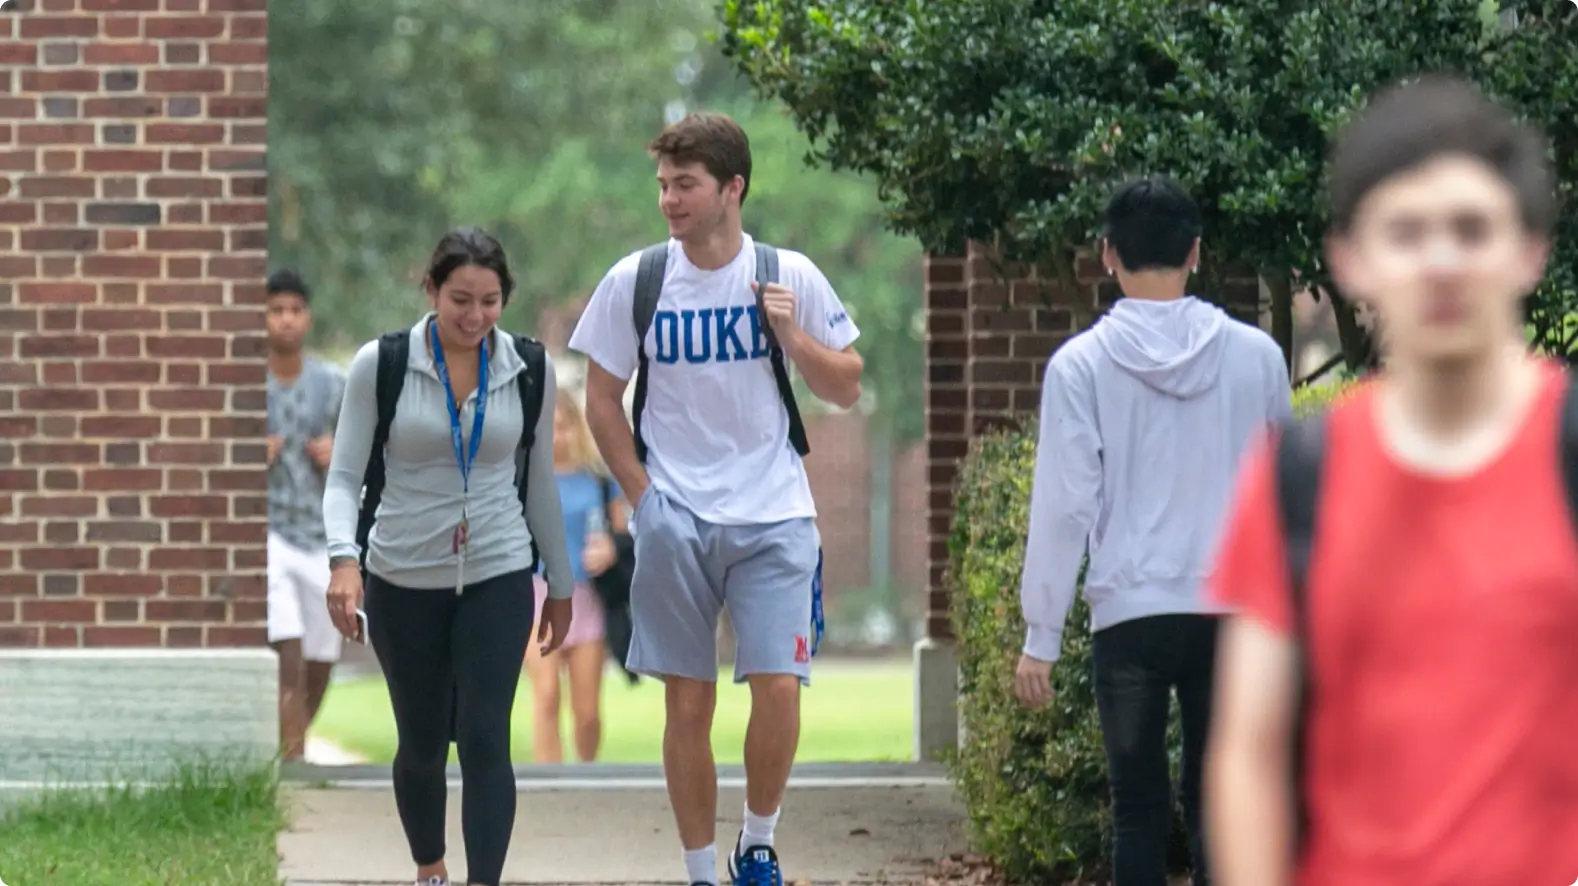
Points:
(586, 619)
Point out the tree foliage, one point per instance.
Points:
(391, 122)
(1009, 121)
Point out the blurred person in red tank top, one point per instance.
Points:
(1442, 592)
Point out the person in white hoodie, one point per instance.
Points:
(1144, 420)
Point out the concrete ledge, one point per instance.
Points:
(114, 716)
(936, 698)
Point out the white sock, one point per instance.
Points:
(758, 829)
(701, 865)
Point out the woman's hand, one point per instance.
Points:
(599, 553)
(555, 623)
(345, 597)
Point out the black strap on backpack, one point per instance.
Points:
(1569, 443)
(1300, 455)
(530, 383)
(649, 286)
(394, 354)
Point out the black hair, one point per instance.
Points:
(1152, 223)
(287, 281)
(469, 247)
(1413, 122)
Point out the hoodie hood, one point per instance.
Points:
(1174, 347)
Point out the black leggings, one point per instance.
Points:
(454, 658)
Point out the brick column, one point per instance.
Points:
(947, 420)
(990, 330)
(133, 238)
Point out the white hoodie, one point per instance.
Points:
(1144, 419)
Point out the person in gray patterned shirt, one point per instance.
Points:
(303, 404)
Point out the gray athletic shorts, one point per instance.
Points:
(687, 569)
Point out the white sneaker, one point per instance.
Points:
(433, 881)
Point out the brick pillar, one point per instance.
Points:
(947, 420)
(133, 238)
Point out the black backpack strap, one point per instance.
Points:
(1301, 449)
(394, 353)
(530, 382)
(1569, 443)
(767, 272)
(643, 306)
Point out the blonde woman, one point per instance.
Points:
(593, 506)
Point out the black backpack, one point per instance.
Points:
(649, 286)
(613, 589)
(394, 353)
(1300, 454)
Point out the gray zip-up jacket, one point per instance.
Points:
(411, 542)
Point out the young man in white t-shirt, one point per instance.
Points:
(723, 509)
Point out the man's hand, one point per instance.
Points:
(599, 553)
(555, 624)
(1033, 682)
(320, 450)
(276, 442)
(779, 303)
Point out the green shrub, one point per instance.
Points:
(1034, 782)
(1315, 397)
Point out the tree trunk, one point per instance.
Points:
(1357, 349)
(1281, 287)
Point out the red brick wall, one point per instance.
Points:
(133, 237)
(839, 468)
(989, 333)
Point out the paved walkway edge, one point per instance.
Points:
(633, 774)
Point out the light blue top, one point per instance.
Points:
(1144, 420)
(581, 497)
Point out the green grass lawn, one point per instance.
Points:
(203, 829)
(852, 712)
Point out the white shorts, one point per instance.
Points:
(298, 609)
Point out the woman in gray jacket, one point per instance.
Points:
(449, 598)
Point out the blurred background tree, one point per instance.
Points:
(389, 123)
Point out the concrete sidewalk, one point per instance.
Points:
(858, 833)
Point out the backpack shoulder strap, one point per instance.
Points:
(530, 383)
(767, 272)
(649, 286)
(1300, 458)
(643, 307)
(394, 354)
(1569, 443)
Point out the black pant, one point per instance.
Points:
(1138, 664)
(454, 661)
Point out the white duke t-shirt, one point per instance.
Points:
(716, 430)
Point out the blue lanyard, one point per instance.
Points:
(464, 458)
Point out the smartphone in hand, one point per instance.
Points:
(361, 627)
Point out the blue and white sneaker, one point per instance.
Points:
(756, 866)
